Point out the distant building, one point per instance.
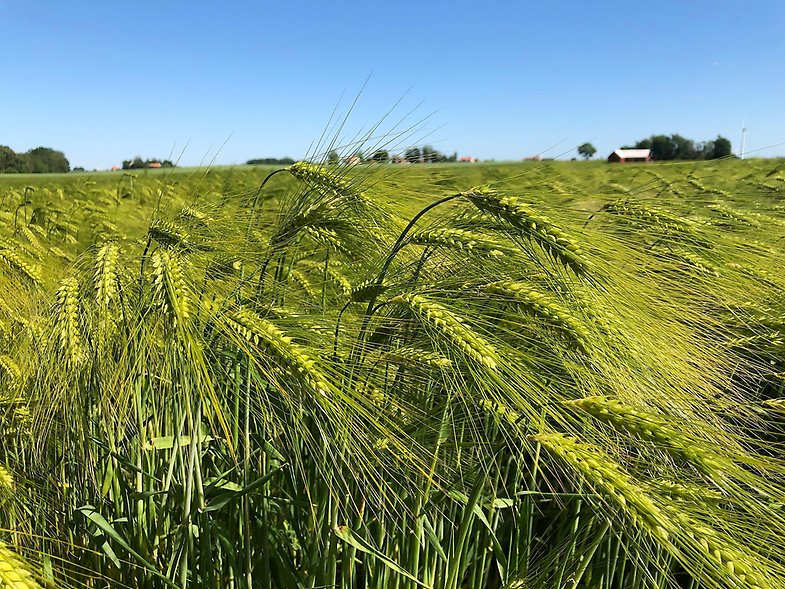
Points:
(154, 165)
(532, 158)
(628, 156)
(468, 159)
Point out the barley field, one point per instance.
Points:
(536, 375)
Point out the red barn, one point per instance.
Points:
(627, 156)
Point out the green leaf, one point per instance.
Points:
(347, 535)
(168, 442)
(90, 513)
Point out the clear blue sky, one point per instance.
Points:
(104, 81)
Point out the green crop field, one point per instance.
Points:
(537, 375)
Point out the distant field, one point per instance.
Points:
(539, 375)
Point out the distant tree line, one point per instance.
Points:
(676, 147)
(138, 163)
(427, 155)
(41, 160)
(415, 155)
(271, 161)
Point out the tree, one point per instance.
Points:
(586, 150)
(333, 157)
(722, 148)
(10, 161)
(704, 150)
(381, 156)
(413, 155)
(676, 147)
(661, 147)
(683, 148)
(266, 161)
(46, 160)
(41, 160)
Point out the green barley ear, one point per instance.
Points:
(607, 477)
(60, 254)
(106, 288)
(339, 279)
(416, 359)
(323, 178)
(171, 289)
(105, 275)
(66, 317)
(731, 216)
(720, 561)
(7, 482)
(688, 492)
(532, 225)
(736, 567)
(10, 368)
(324, 236)
(758, 274)
(474, 219)
(189, 214)
(451, 327)
(655, 428)
(39, 231)
(286, 354)
(501, 412)
(31, 239)
(223, 266)
(15, 262)
(695, 262)
(777, 405)
(300, 278)
(14, 572)
(461, 239)
(544, 306)
(167, 234)
(655, 218)
(367, 290)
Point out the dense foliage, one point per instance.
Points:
(41, 160)
(270, 161)
(138, 163)
(569, 375)
(586, 150)
(676, 147)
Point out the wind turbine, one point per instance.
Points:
(743, 136)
